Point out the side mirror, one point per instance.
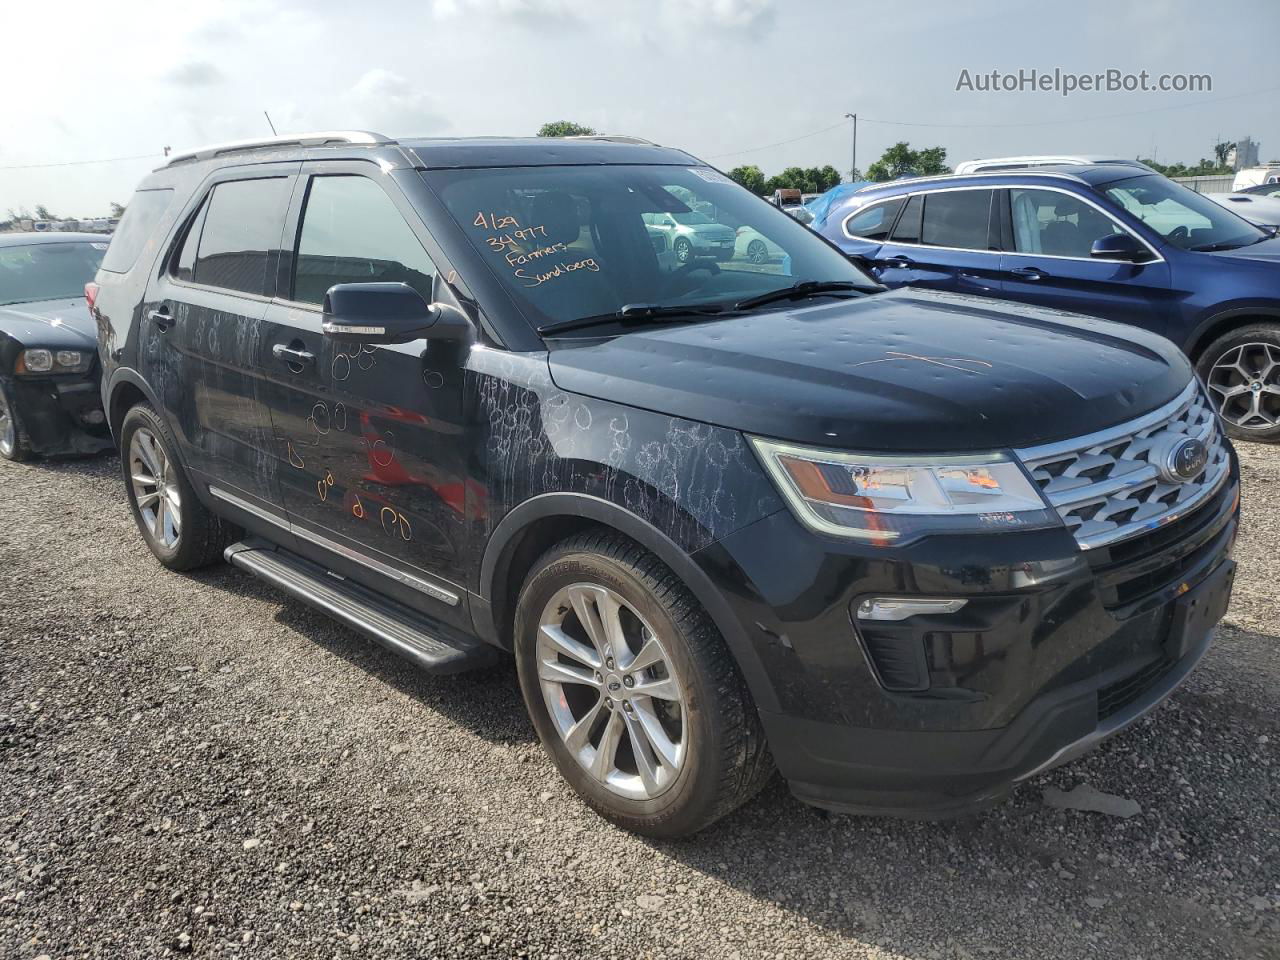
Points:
(1118, 246)
(388, 313)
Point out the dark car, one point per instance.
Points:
(50, 400)
(724, 515)
(1105, 240)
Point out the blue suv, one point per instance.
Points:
(1106, 240)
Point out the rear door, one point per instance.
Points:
(207, 309)
(944, 240)
(1048, 237)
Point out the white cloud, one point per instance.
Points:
(747, 15)
(523, 11)
(391, 103)
(194, 73)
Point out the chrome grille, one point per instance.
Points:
(1105, 489)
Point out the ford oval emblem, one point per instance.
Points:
(1185, 460)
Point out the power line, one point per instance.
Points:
(79, 163)
(1031, 123)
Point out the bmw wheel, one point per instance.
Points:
(633, 691)
(1242, 373)
(180, 531)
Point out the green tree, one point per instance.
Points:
(1221, 150)
(117, 210)
(42, 213)
(804, 179)
(750, 176)
(565, 128)
(901, 161)
(1205, 168)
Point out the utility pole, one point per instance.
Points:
(853, 157)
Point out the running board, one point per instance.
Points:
(431, 646)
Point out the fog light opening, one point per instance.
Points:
(900, 608)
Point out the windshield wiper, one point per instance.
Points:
(1220, 245)
(636, 313)
(801, 290)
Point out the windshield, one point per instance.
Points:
(584, 241)
(48, 271)
(1183, 217)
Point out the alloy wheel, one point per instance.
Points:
(8, 429)
(1245, 383)
(612, 691)
(757, 252)
(155, 488)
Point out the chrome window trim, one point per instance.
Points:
(408, 579)
(1123, 227)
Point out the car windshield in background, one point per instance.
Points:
(1183, 217)
(585, 241)
(48, 271)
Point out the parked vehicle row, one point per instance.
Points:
(730, 506)
(1101, 239)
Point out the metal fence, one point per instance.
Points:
(1220, 184)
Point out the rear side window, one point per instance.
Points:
(353, 233)
(184, 267)
(956, 218)
(136, 227)
(908, 228)
(874, 222)
(241, 234)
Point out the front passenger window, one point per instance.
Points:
(353, 233)
(1056, 224)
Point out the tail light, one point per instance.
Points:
(91, 295)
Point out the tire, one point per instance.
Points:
(722, 757)
(15, 444)
(147, 449)
(757, 252)
(683, 250)
(1241, 370)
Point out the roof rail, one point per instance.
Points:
(612, 138)
(317, 139)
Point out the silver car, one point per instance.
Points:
(689, 235)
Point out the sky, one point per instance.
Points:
(766, 82)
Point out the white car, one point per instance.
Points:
(754, 247)
(1259, 210)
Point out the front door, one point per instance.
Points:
(373, 436)
(1050, 235)
(209, 305)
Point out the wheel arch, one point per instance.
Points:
(537, 524)
(1211, 328)
(126, 389)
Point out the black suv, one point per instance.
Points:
(910, 546)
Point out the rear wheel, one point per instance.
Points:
(14, 443)
(181, 533)
(1242, 373)
(632, 689)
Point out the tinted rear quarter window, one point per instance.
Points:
(136, 227)
(956, 218)
(242, 234)
(874, 222)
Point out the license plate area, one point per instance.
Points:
(1197, 610)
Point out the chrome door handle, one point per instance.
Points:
(1029, 273)
(293, 357)
(898, 263)
(162, 318)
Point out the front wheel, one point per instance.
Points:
(14, 443)
(683, 250)
(633, 691)
(1242, 373)
(181, 533)
(757, 252)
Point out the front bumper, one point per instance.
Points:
(61, 415)
(1056, 650)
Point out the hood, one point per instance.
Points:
(1268, 252)
(903, 371)
(61, 323)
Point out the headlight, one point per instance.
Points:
(889, 500)
(40, 360)
(35, 361)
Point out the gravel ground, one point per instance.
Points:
(197, 765)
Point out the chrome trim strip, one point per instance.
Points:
(1052, 451)
(409, 580)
